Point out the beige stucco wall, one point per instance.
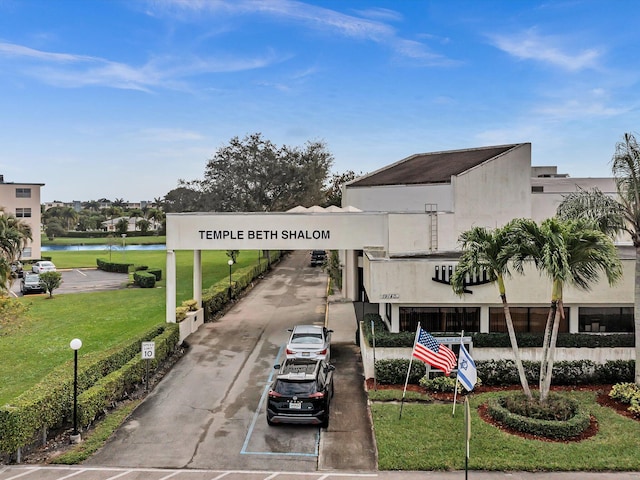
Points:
(10, 203)
(409, 281)
(495, 192)
(399, 198)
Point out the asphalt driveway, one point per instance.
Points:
(80, 280)
(209, 411)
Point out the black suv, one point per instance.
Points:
(318, 257)
(301, 393)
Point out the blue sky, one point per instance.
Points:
(121, 99)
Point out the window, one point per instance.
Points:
(440, 319)
(537, 189)
(605, 319)
(525, 319)
(23, 212)
(23, 193)
(26, 253)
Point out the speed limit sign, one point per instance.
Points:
(148, 350)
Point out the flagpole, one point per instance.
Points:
(455, 392)
(404, 390)
(373, 336)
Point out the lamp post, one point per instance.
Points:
(124, 235)
(230, 263)
(75, 345)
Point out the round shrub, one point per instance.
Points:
(560, 418)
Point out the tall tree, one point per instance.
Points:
(333, 189)
(570, 253)
(616, 215)
(184, 198)
(70, 216)
(254, 175)
(491, 251)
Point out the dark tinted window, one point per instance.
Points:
(301, 389)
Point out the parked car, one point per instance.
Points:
(43, 266)
(30, 283)
(310, 342)
(301, 393)
(318, 257)
(16, 269)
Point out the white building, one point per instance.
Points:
(451, 192)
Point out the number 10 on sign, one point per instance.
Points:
(148, 353)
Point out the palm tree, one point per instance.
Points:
(572, 253)
(70, 215)
(14, 236)
(492, 252)
(616, 215)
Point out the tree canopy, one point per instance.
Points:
(253, 174)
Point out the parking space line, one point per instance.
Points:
(256, 415)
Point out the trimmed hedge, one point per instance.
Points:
(384, 338)
(49, 404)
(394, 371)
(554, 429)
(144, 279)
(216, 297)
(112, 266)
(95, 400)
(504, 372)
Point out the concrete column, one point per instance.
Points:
(484, 319)
(171, 287)
(197, 276)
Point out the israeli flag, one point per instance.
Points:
(467, 373)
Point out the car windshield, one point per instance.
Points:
(314, 338)
(301, 389)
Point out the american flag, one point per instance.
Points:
(430, 351)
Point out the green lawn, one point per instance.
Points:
(438, 442)
(40, 341)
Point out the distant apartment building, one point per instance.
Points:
(77, 205)
(23, 201)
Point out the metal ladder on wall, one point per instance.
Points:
(432, 210)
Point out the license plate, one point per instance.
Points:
(295, 405)
(306, 354)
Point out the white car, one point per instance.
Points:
(43, 266)
(309, 342)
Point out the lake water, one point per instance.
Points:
(114, 248)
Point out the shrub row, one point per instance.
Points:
(95, 400)
(384, 338)
(216, 296)
(629, 393)
(572, 427)
(113, 266)
(144, 279)
(49, 404)
(504, 372)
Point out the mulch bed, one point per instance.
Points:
(602, 398)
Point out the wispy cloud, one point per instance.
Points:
(73, 71)
(18, 51)
(529, 45)
(366, 25)
(577, 104)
